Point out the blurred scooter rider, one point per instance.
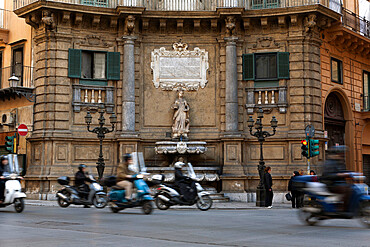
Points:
(80, 179)
(335, 173)
(123, 174)
(3, 168)
(185, 184)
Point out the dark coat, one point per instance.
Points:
(291, 186)
(186, 186)
(80, 178)
(268, 181)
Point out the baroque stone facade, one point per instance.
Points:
(219, 108)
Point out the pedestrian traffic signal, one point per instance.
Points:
(304, 147)
(10, 143)
(314, 148)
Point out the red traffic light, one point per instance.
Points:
(304, 142)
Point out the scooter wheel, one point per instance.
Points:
(100, 201)
(147, 207)
(161, 205)
(307, 217)
(19, 205)
(207, 203)
(62, 203)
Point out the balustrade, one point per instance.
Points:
(272, 97)
(92, 96)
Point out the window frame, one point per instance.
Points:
(368, 90)
(255, 66)
(92, 65)
(340, 70)
(12, 65)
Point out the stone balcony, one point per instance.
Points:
(191, 5)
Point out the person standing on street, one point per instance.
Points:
(293, 191)
(268, 187)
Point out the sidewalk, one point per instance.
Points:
(216, 205)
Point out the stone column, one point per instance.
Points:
(231, 86)
(128, 87)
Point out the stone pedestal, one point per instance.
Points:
(233, 176)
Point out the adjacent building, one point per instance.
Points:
(16, 97)
(294, 59)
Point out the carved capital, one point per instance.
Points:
(230, 25)
(129, 27)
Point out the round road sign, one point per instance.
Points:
(22, 130)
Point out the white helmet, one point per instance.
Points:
(179, 164)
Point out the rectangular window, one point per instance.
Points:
(366, 78)
(266, 66)
(336, 71)
(93, 65)
(17, 63)
(265, 4)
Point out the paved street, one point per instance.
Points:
(52, 226)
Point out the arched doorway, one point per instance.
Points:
(334, 120)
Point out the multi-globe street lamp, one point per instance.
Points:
(100, 131)
(261, 135)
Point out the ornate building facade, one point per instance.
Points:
(228, 59)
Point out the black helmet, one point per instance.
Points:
(81, 166)
(127, 157)
(4, 157)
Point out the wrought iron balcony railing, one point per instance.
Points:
(355, 23)
(24, 74)
(193, 5)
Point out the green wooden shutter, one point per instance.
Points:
(283, 65)
(113, 66)
(74, 63)
(248, 67)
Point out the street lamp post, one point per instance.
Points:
(261, 135)
(100, 131)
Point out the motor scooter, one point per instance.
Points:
(141, 193)
(320, 204)
(13, 189)
(168, 195)
(140, 198)
(71, 195)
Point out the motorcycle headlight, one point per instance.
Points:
(13, 176)
(140, 176)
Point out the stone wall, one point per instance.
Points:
(218, 112)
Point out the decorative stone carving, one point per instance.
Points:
(94, 40)
(309, 23)
(230, 25)
(129, 25)
(180, 127)
(48, 19)
(170, 147)
(264, 42)
(179, 69)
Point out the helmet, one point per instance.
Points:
(81, 166)
(4, 157)
(179, 164)
(127, 157)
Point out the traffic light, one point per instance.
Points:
(304, 147)
(10, 143)
(314, 148)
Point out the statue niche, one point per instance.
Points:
(180, 127)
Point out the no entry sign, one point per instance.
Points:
(22, 130)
